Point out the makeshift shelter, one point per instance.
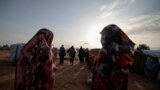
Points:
(147, 62)
(14, 52)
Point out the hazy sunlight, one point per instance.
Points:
(94, 35)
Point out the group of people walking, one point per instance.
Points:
(82, 54)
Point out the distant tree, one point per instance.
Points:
(4, 47)
(143, 46)
(0, 47)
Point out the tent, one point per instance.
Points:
(14, 52)
(152, 64)
(152, 53)
(147, 62)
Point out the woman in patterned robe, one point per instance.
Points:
(112, 65)
(35, 69)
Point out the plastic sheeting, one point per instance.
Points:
(152, 64)
(14, 52)
(152, 53)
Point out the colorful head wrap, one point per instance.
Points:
(35, 69)
(114, 60)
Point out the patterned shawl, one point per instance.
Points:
(114, 60)
(35, 69)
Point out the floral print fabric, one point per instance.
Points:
(112, 65)
(35, 69)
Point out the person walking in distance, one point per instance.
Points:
(87, 55)
(72, 54)
(62, 53)
(81, 54)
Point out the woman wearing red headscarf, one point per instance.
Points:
(35, 69)
(112, 65)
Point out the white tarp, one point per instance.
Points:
(14, 52)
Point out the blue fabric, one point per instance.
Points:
(151, 66)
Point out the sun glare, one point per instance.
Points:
(94, 35)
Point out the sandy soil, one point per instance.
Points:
(70, 77)
(7, 72)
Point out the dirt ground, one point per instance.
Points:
(70, 77)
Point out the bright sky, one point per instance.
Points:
(78, 22)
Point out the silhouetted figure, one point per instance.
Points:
(71, 52)
(112, 65)
(62, 53)
(35, 69)
(81, 54)
(87, 55)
